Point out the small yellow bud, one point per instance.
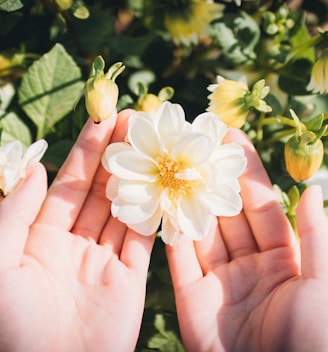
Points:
(148, 103)
(101, 91)
(5, 62)
(10, 62)
(64, 4)
(303, 155)
(101, 96)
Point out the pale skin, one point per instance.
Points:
(250, 286)
(72, 278)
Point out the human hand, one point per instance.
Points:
(249, 285)
(72, 278)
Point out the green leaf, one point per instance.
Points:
(10, 5)
(8, 22)
(50, 89)
(13, 129)
(315, 123)
(165, 340)
(291, 81)
(237, 34)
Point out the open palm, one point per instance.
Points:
(248, 286)
(72, 278)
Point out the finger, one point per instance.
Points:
(96, 208)
(71, 186)
(312, 225)
(121, 127)
(211, 251)
(17, 213)
(237, 236)
(113, 236)
(136, 251)
(183, 263)
(270, 226)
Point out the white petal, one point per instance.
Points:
(169, 234)
(229, 161)
(189, 174)
(143, 137)
(12, 151)
(223, 202)
(208, 124)
(194, 218)
(133, 213)
(227, 150)
(11, 175)
(138, 191)
(166, 203)
(35, 151)
(170, 119)
(193, 149)
(149, 226)
(112, 187)
(130, 165)
(230, 168)
(113, 149)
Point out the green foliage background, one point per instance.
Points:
(47, 48)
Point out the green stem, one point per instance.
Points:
(279, 136)
(259, 134)
(321, 132)
(283, 120)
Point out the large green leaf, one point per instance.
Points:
(14, 129)
(50, 89)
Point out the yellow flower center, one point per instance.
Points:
(168, 169)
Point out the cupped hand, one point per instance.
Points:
(250, 286)
(72, 278)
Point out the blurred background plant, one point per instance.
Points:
(264, 62)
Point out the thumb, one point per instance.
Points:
(17, 212)
(312, 226)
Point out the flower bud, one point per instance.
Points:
(101, 91)
(101, 96)
(64, 4)
(10, 61)
(148, 103)
(303, 155)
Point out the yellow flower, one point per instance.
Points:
(227, 101)
(232, 101)
(319, 75)
(101, 91)
(190, 22)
